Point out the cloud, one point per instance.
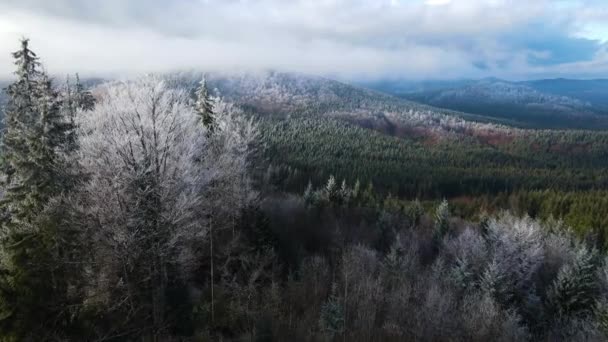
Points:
(437, 2)
(341, 38)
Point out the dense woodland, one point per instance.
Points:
(147, 210)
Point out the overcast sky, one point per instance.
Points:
(353, 39)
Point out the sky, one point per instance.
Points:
(349, 39)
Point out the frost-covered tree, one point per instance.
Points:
(345, 192)
(74, 97)
(83, 98)
(442, 220)
(331, 192)
(20, 118)
(309, 195)
(158, 184)
(331, 318)
(415, 211)
(576, 287)
(356, 190)
(204, 106)
(34, 281)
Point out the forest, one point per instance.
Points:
(146, 210)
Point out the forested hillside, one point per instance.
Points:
(313, 128)
(319, 127)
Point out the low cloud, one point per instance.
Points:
(340, 38)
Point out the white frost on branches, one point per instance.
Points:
(156, 183)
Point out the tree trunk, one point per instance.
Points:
(212, 279)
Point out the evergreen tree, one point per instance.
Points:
(332, 192)
(442, 220)
(33, 284)
(331, 319)
(19, 112)
(69, 109)
(204, 106)
(575, 289)
(356, 190)
(84, 99)
(309, 196)
(345, 192)
(74, 98)
(27, 144)
(415, 212)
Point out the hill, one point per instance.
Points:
(594, 92)
(313, 127)
(561, 104)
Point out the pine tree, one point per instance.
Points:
(415, 212)
(331, 319)
(345, 193)
(332, 192)
(33, 284)
(576, 287)
(356, 190)
(19, 113)
(84, 100)
(74, 98)
(309, 196)
(461, 274)
(22, 150)
(442, 220)
(204, 106)
(395, 264)
(69, 109)
(369, 196)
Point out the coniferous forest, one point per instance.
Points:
(171, 207)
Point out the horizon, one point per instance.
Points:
(84, 76)
(359, 40)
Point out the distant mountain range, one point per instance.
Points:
(549, 103)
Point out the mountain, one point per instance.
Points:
(398, 87)
(561, 104)
(312, 127)
(594, 92)
(288, 95)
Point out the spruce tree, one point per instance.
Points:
(331, 319)
(75, 97)
(575, 289)
(204, 106)
(33, 284)
(442, 221)
(84, 100)
(69, 109)
(309, 196)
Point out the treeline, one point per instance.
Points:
(583, 211)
